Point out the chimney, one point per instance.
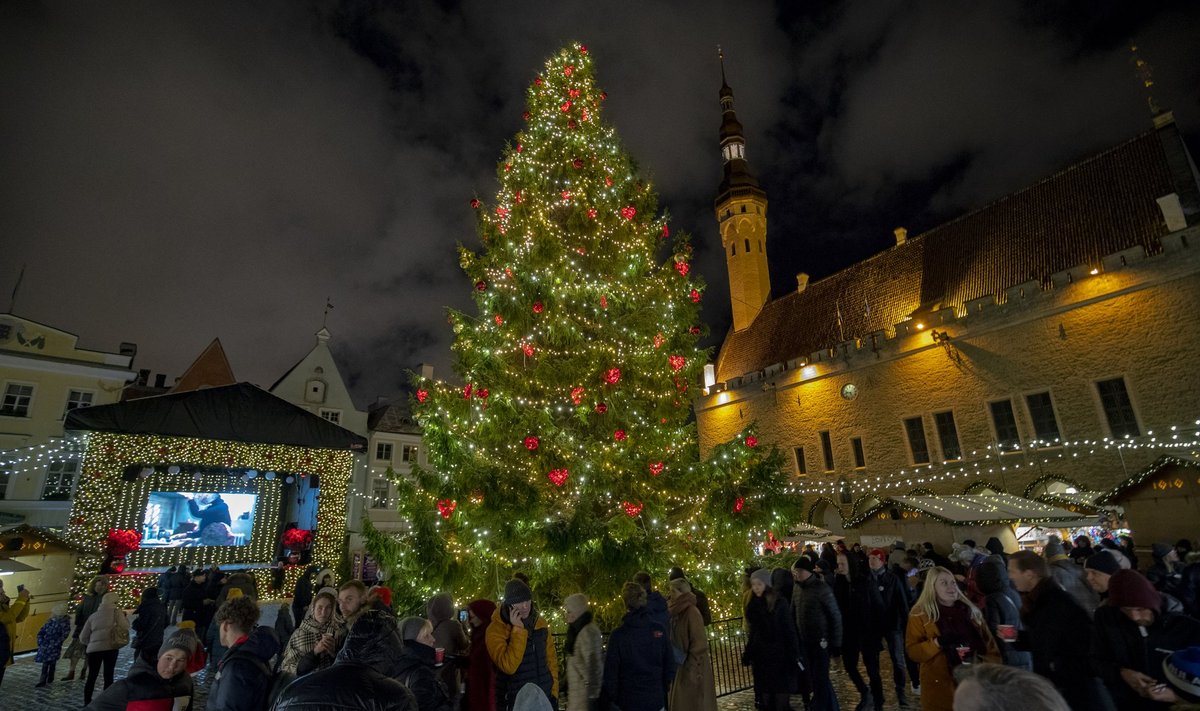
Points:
(143, 376)
(801, 282)
(160, 380)
(426, 371)
(901, 235)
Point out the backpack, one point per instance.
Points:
(119, 633)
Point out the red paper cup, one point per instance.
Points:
(1008, 633)
(439, 655)
(963, 654)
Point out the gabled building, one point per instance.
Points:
(44, 375)
(1042, 344)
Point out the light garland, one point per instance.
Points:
(105, 499)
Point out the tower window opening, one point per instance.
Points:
(743, 208)
(733, 249)
(747, 246)
(760, 246)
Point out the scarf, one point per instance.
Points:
(679, 603)
(573, 630)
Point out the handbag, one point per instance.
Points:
(120, 629)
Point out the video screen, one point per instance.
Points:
(178, 519)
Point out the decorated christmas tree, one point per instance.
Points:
(566, 450)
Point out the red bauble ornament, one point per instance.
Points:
(475, 203)
(482, 393)
(601, 408)
(603, 301)
(628, 212)
(446, 507)
(577, 395)
(531, 443)
(527, 349)
(631, 509)
(422, 395)
(507, 167)
(568, 70)
(582, 49)
(517, 197)
(619, 435)
(558, 477)
(751, 441)
(566, 195)
(538, 307)
(566, 106)
(694, 330)
(525, 115)
(520, 147)
(499, 320)
(612, 376)
(508, 272)
(682, 268)
(603, 95)
(666, 232)
(573, 93)
(608, 180)
(577, 163)
(659, 339)
(656, 468)
(502, 212)
(467, 391)
(481, 286)
(537, 81)
(591, 213)
(695, 296)
(677, 362)
(738, 504)
(585, 115)
(571, 124)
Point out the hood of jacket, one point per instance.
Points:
(440, 608)
(374, 641)
(262, 642)
(639, 618)
(992, 575)
(679, 603)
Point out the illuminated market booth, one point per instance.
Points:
(230, 476)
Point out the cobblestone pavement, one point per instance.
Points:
(848, 697)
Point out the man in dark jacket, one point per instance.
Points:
(195, 603)
(639, 666)
(1057, 631)
(819, 622)
(655, 602)
(889, 618)
(154, 684)
(175, 586)
(1002, 607)
(1133, 636)
(149, 624)
(243, 680)
(215, 511)
(361, 676)
(701, 598)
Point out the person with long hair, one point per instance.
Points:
(945, 630)
(694, 686)
(316, 641)
(772, 648)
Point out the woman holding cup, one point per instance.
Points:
(417, 667)
(316, 641)
(945, 630)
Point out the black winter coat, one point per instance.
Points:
(142, 684)
(889, 602)
(1058, 634)
(817, 615)
(702, 606)
(346, 685)
(772, 647)
(149, 625)
(192, 604)
(243, 680)
(639, 666)
(418, 672)
(1002, 607)
(1118, 644)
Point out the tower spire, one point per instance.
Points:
(1145, 74)
(741, 208)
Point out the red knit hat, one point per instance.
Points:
(1129, 588)
(879, 553)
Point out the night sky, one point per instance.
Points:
(170, 173)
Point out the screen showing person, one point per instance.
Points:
(176, 519)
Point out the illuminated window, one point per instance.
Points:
(947, 436)
(78, 398)
(1041, 412)
(1005, 424)
(1118, 408)
(380, 491)
(801, 465)
(383, 451)
(17, 399)
(827, 450)
(914, 427)
(860, 457)
(60, 480)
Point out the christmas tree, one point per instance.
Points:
(567, 450)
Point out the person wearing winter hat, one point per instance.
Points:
(1164, 569)
(887, 603)
(518, 641)
(819, 623)
(50, 640)
(153, 685)
(417, 665)
(1182, 669)
(450, 637)
(1133, 637)
(701, 598)
(639, 665)
(1099, 568)
(1070, 577)
(772, 645)
(585, 654)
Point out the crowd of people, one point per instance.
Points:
(1075, 626)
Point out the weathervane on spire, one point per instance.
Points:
(328, 308)
(1145, 73)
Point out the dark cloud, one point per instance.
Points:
(170, 173)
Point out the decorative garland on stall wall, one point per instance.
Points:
(104, 499)
(1165, 460)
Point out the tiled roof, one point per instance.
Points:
(1096, 207)
(393, 417)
